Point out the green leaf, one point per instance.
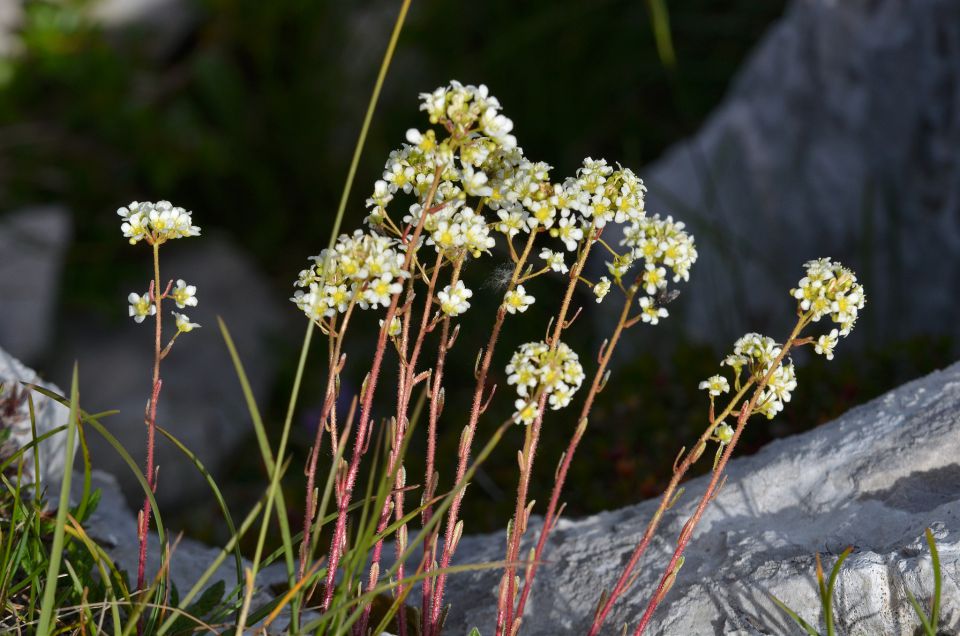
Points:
(47, 621)
(796, 617)
(474, 632)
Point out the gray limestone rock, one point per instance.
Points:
(33, 243)
(16, 430)
(874, 479)
(839, 137)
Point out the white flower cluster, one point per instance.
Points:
(536, 370)
(757, 354)
(463, 109)
(661, 243)
(183, 295)
(156, 222)
(362, 268)
(830, 289)
(453, 299)
(453, 230)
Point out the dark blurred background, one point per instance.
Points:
(778, 131)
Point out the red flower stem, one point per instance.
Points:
(666, 500)
(595, 387)
(359, 444)
(670, 572)
(405, 390)
(152, 416)
(431, 619)
(505, 609)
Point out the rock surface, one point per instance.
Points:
(15, 417)
(874, 479)
(839, 137)
(201, 402)
(33, 243)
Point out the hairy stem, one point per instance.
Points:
(431, 618)
(549, 519)
(670, 572)
(345, 489)
(505, 610)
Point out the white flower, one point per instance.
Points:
(542, 214)
(474, 182)
(498, 127)
(527, 411)
(453, 300)
(511, 221)
(601, 288)
(518, 300)
(380, 290)
(140, 307)
(825, 344)
(651, 312)
(184, 295)
(560, 397)
(715, 385)
(554, 260)
(654, 278)
(183, 323)
(568, 232)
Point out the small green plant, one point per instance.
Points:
(927, 623)
(458, 191)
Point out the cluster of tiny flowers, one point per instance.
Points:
(462, 109)
(156, 222)
(538, 371)
(830, 289)
(757, 354)
(453, 230)
(453, 299)
(661, 243)
(365, 269)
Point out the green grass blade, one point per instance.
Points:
(45, 625)
(828, 595)
(212, 568)
(937, 581)
(927, 628)
(660, 17)
(796, 617)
